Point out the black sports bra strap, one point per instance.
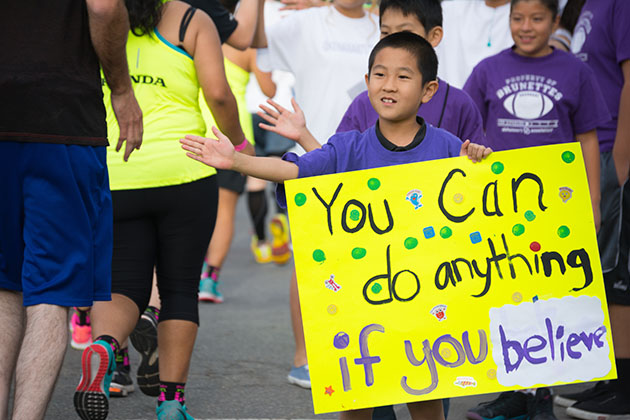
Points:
(185, 22)
(448, 87)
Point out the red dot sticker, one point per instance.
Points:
(534, 246)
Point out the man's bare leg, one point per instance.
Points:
(11, 313)
(39, 363)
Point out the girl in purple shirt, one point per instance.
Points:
(532, 94)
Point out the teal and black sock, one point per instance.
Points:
(172, 391)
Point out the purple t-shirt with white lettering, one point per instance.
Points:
(353, 151)
(450, 109)
(602, 40)
(527, 101)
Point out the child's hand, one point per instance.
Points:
(284, 122)
(474, 151)
(216, 153)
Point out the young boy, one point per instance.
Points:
(450, 108)
(402, 73)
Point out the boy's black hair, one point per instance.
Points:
(426, 60)
(552, 5)
(428, 12)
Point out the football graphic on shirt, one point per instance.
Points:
(528, 105)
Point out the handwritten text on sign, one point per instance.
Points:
(448, 278)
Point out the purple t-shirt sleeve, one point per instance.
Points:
(471, 124)
(475, 87)
(591, 110)
(355, 116)
(316, 162)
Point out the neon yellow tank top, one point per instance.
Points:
(166, 87)
(237, 78)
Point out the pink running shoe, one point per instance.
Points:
(81, 332)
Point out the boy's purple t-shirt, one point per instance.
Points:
(528, 101)
(602, 40)
(457, 112)
(353, 151)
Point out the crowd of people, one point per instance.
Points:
(99, 197)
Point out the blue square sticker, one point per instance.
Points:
(475, 237)
(429, 232)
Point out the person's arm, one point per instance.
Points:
(247, 18)
(266, 83)
(291, 125)
(220, 154)
(260, 40)
(590, 151)
(109, 27)
(621, 148)
(204, 45)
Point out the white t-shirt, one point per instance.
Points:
(472, 32)
(328, 54)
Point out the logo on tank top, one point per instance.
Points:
(144, 79)
(580, 33)
(529, 98)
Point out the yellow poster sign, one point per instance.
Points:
(449, 278)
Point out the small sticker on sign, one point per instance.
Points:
(466, 382)
(414, 197)
(331, 284)
(439, 312)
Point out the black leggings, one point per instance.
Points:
(168, 228)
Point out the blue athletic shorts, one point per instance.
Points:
(55, 223)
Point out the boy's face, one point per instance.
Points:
(393, 20)
(395, 85)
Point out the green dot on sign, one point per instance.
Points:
(497, 167)
(411, 243)
(446, 232)
(358, 253)
(376, 288)
(300, 199)
(529, 215)
(355, 215)
(568, 157)
(518, 229)
(374, 184)
(319, 256)
(564, 231)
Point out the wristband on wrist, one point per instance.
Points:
(241, 146)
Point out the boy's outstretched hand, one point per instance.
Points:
(291, 125)
(474, 151)
(216, 153)
(284, 122)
